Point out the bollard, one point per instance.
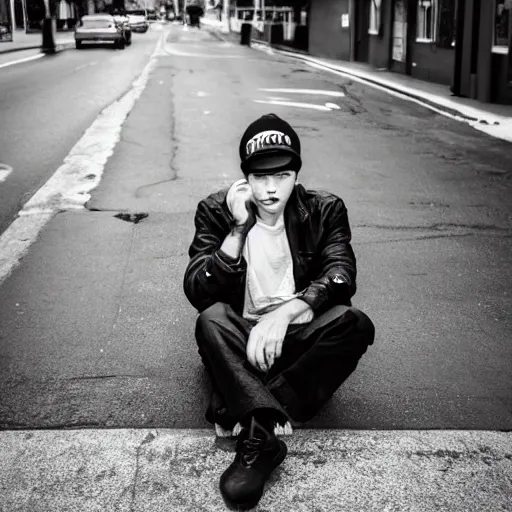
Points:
(300, 39)
(245, 34)
(273, 33)
(48, 45)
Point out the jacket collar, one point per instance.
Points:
(296, 202)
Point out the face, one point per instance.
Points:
(272, 191)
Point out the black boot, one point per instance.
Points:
(258, 453)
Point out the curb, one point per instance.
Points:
(58, 48)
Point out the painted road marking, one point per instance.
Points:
(334, 94)
(71, 183)
(310, 106)
(93, 63)
(169, 50)
(20, 61)
(476, 118)
(5, 170)
(332, 106)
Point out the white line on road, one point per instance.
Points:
(335, 94)
(93, 63)
(71, 183)
(169, 50)
(295, 104)
(482, 121)
(20, 61)
(5, 170)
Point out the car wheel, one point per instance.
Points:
(78, 45)
(120, 44)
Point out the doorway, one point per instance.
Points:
(362, 43)
(399, 37)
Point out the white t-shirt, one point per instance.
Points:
(269, 279)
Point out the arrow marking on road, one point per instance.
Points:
(311, 106)
(334, 94)
(20, 61)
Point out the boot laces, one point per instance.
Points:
(251, 450)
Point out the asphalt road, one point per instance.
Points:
(94, 327)
(46, 105)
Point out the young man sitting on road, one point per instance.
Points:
(272, 273)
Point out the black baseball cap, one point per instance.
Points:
(268, 145)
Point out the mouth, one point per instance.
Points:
(269, 202)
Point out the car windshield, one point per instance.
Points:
(137, 13)
(97, 23)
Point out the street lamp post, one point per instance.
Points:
(13, 19)
(48, 41)
(226, 27)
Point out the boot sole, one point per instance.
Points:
(277, 461)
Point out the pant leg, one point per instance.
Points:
(317, 358)
(222, 337)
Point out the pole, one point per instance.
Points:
(13, 19)
(226, 26)
(24, 5)
(48, 41)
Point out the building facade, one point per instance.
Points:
(463, 44)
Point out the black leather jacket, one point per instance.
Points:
(318, 230)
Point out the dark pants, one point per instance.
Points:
(316, 359)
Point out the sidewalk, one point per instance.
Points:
(325, 471)
(493, 119)
(33, 41)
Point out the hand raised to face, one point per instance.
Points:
(240, 200)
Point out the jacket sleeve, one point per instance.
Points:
(210, 276)
(336, 283)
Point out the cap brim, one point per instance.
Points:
(271, 160)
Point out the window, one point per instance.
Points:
(427, 21)
(374, 17)
(502, 26)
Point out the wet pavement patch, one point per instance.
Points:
(131, 217)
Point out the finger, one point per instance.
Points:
(269, 358)
(279, 348)
(251, 348)
(260, 354)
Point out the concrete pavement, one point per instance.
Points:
(34, 40)
(96, 333)
(162, 470)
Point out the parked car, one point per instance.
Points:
(124, 21)
(151, 15)
(99, 28)
(137, 21)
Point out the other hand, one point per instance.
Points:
(266, 338)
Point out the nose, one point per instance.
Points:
(271, 184)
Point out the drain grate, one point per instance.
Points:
(131, 217)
